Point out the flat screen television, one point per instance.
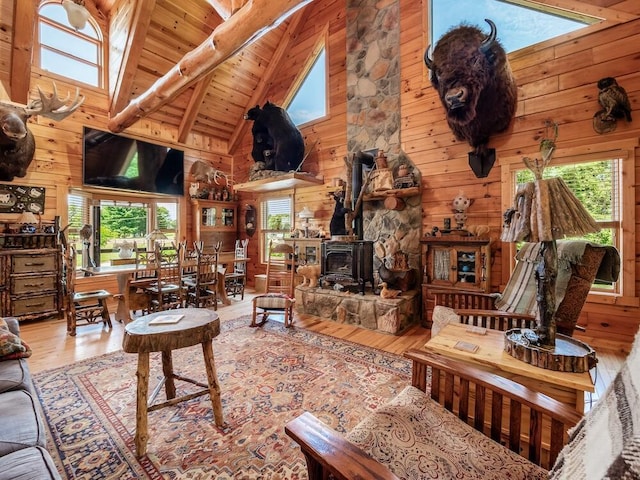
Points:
(123, 163)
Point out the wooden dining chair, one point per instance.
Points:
(236, 279)
(83, 308)
(166, 291)
(202, 288)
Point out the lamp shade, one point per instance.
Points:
(27, 218)
(306, 213)
(77, 14)
(546, 210)
(156, 235)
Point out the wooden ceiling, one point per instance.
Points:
(151, 41)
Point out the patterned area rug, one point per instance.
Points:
(268, 375)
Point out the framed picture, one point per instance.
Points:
(21, 198)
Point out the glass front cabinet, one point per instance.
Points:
(454, 262)
(215, 221)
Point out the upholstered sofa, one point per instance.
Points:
(22, 436)
(457, 421)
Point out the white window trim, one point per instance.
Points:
(624, 149)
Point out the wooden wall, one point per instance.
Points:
(556, 80)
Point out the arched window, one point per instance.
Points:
(74, 54)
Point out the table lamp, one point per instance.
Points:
(156, 237)
(305, 214)
(28, 221)
(544, 211)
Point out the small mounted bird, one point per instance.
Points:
(387, 292)
(615, 105)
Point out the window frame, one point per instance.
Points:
(92, 200)
(624, 150)
(263, 232)
(98, 42)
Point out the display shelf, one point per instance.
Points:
(397, 192)
(281, 182)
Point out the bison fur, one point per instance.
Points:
(472, 76)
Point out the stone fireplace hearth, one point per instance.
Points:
(368, 311)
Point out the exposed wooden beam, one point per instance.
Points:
(244, 27)
(268, 75)
(578, 7)
(24, 19)
(193, 108)
(126, 44)
(226, 8)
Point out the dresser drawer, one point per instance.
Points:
(33, 284)
(30, 305)
(33, 263)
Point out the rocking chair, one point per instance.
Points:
(279, 295)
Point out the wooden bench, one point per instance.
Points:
(462, 420)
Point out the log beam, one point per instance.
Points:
(244, 27)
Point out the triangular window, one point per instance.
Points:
(520, 23)
(310, 100)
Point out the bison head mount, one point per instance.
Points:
(471, 73)
(17, 143)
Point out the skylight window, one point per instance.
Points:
(520, 23)
(310, 101)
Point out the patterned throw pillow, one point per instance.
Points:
(11, 345)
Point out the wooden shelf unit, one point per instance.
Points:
(215, 221)
(280, 182)
(454, 262)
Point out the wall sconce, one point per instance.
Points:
(77, 14)
(28, 222)
(305, 214)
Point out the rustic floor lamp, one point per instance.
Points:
(544, 210)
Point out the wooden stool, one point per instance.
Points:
(196, 325)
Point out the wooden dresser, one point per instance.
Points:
(30, 276)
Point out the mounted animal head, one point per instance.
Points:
(17, 144)
(471, 73)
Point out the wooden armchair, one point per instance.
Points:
(581, 263)
(471, 422)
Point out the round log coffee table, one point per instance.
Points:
(172, 329)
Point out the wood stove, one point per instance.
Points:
(348, 263)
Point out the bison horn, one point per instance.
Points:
(488, 42)
(427, 61)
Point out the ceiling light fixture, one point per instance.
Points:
(77, 14)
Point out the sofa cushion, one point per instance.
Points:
(11, 345)
(416, 438)
(14, 375)
(32, 463)
(21, 425)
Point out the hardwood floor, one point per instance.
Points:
(52, 347)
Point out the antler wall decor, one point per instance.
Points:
(17, 143)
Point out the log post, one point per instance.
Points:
(546, 274)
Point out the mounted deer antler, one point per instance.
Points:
(53, 107)
(17, 143)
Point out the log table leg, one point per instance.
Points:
(142, 435)
(214, 385)
(167, 369)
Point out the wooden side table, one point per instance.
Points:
(566, 387)
(197, 325)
